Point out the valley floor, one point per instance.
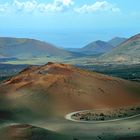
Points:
(83, 131)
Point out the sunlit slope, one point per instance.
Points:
(97, 47)
(127, 51)
(116, 41)
(23, 48)
(56, 89)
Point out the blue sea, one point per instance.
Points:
(67, 38)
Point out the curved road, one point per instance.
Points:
(68, 117)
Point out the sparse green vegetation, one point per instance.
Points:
(129, 72)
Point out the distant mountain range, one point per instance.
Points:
(97, 47)
(116, 41)
(129, 51)
(28, 48)
(117, 49)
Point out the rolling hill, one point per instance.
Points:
(97, 47)
(116, 41)
(128, 51)
(53, 90)
(23, 48)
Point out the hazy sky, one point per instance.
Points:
(69, 23)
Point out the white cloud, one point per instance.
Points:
(27, 6)
(56, 6)
(64, 2)
(3, 7)
(98, 6)
(34, 6)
